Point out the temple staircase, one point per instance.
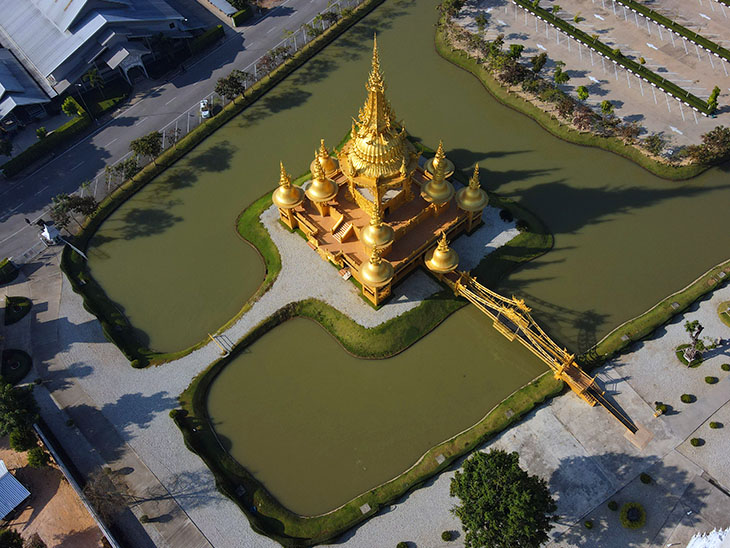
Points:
(343, 231)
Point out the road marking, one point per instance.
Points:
(652, 46)
(272, 29)
(598, 17)
(594, 80)
(502, 23)
(110, 142)
(140, 121)
(675, 130)
(171, 100)
(703, 15)
(41, 190)
(541, 47)
(77, 165)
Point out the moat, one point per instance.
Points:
(618, 230)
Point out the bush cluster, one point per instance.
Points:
(645, 478)
(401, 545)
(612, 505)
(711, 380)
(588, 524)
(696, 442)
(633, 515)
(687, 398)
(715, 424)
(725, 367)
(447, 535)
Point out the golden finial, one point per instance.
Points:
(440, 155)
(375, 257)
(284, 178)
(317, 171)
(323, 152)
(474, 181)
(376, 77)
(443, 243)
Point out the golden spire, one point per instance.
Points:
(322, 189)
(472, 197)
(440, 155)
(376, 116)
(377, 234)
(442, 259)
(328, 163)
(286, 195)
(438, 158)
(438, 190)
(376, 272)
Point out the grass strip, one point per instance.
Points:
(616, 56)
(115, 325)
(551, 123)
(673, 26)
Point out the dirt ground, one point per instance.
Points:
(53, 510)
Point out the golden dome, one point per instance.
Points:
(376, 272)
(433, 162)
(442, 259)
(321, 189)
(438, 190)
(378, 146)
(472, 197)
(377, 233)
(287, 196)
(328, 163)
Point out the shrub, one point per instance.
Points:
(401, 545)
(22, 440)
(240, 16)
(645, 478)
(506, 215)
(711, 380)
(687, 398)
(205, 40)
(144, 518)
(696, 442)
(38, 458)
(522, 226)
(661, 407)
(714, 425)
(588, 524)
(8, 271)
(447, 535)
(612, 505)
(138, 364)
(725, 367)
(633, 515)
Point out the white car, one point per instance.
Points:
(204, 108)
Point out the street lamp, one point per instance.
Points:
(85, 104)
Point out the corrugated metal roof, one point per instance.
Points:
(28, 28)
(12, 492)
(16, 85)
(223, 6)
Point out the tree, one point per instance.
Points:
(566, 106)
(583, 118)
(715, 147)
(6, 147)
(696, 345)
(10, 538)
(712, 99)
(35, 541)
(41, 133)
(577, 18)
(629, 132)
(655, 143)
(560, 76)
(481, 21)
(38, 458)
(234, 84)
(606, 107)
(18, 410)
(63, 206)
(71, 108)
(239, 4)
(149, 145)
(555, 9)
(582, 92)
(502, 506)
(103, 495)
(538, 61)
(515, 50)
(642, 61)
(22, 440)
(94, 79)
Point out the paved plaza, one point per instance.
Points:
(669, 56)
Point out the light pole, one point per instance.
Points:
(85, 104)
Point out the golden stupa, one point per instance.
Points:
(440, 157)
(377, 212)
(472, 197)
(287, 196)
(442, 259)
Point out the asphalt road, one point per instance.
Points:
(29, 197)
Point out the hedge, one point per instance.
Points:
(675, 27)
(207, 39)
(606, 51)
(115, 325)
(58, 138)
(8, 271)
(240, 16)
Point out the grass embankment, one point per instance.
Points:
(723, 310)
(114, 323)
(552, 124)
(644, 325)
(270, 517)
(16, 308)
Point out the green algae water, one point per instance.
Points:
(171, 259)
(321, 426)
(171, 252)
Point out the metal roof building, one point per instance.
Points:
(17, 88)
(12, 492)
(58, 41)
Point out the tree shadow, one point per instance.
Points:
(138, 222)
(216, 159)
(74, 539)
(43, 484)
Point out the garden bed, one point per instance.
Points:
(15, 366)
(16, 308)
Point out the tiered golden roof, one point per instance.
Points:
(433, 162)
(322, 189)
(377, 233)
(442, 259)
(377, 272)
(472, 197)
(438, 190)
(378, 154)
(287, 196)
(328, 163)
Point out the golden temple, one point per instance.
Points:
(378, 210)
